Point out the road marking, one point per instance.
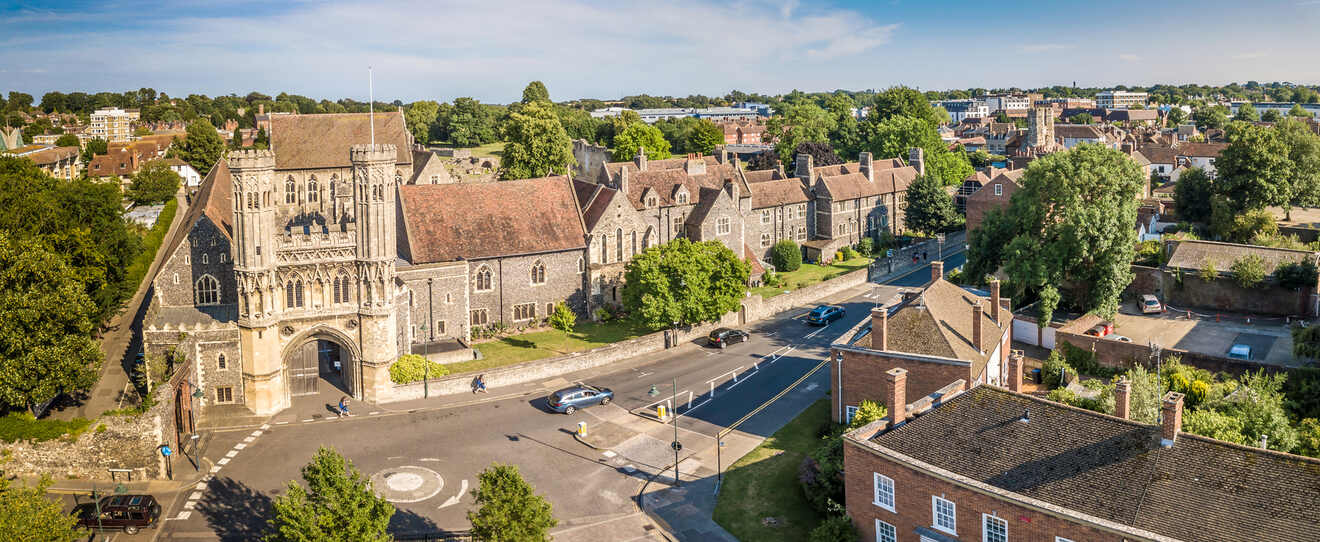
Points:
(196, 495)
(256, 433)
(744, 378)
(215, 469)
(200, 486)
(240, 446)
(430, 459)
(231, 454)
(309, 420)
(645, 374)
(812, 386)
(223, 461)
(183, 515)
(280, 423)
(190, 505)
(249, 439)
(463, 486)
(373, 413)
(265, 426)
(608, 453)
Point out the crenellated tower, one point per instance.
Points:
(252, 176)
(373, 201)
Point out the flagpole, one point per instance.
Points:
(371, 106)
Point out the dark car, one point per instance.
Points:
(128, 512)
(569, 400)
(825, 314)
(724, 336)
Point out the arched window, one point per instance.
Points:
(206, 258)
(290, 191)
(338, 294)
(618, 245)
(483, 279)
(220, 361)
(299, 298)
(207, 290)
(634, 243)
(313, 190)
(288, 295)
(582, 265)
(604, 248)
(538, 272)
(334, 180)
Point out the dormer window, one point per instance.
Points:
(652, 201)
(681, 198)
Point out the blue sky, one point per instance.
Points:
(489, 49)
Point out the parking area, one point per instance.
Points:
(1270, 339)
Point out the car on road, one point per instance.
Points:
(825, 314)
(131, 513)
(571, 399)
(1151, 305)
(1240, 351)
(722, 337)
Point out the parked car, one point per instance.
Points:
(1120, 338)
(825, 314)
(1100, 330)
(1240, 351)
(569, 400)
(1151, 305)
(724, 336)
(128, 512)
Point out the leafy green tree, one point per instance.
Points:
(834, 528)
(1191, 196)
(1177, 116)
(26, 513)
(420, 117)
(1271, 115)
(1247, 113)
(685, 282)
(68, 140)
(46, 322)
(94, 147)
(19, 101)
(821, 154)
(1304, 152)
(338, 504)
(1297, 111)
(638, 136)
(1259, 403)
(1308, 432)
(1145, 401)
(704, 137)
(1214, 424)
(537, 145)
(1254, 170)
(508, 509)
(786, 256)
(155, 182)
(261, 141)
(202, 147)
(1248, 271)
(470, 123)
(799, 123)
(1215, 116)
(867, 412)
(928, 207)
(896, 136)
(1070, 227)
(1081, 118)
(846, 136)
(1294, 275)
(535, 92)
(905, 102)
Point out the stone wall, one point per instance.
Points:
(588, 156)
(1221, 294)
(1120, 354)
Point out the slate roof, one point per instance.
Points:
(781, 192)
(939, 323)
(214, 200)
(323, 141)
(445, 222)
(1198, 490)
(1193, 255)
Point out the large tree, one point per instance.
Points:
(535, 92)
(1304, 152)
(800, 122)
(508, 509)
(420, 116)
(704, 137)
(46, 323)
(469, 123)
(928, 207)
(338, 504)
(1192, 195)
(821, 154)
(68, 140)
(202, 147)
(1213, 116)
(846, 137)
(638, 136)
(893, 138)
(1254, 169)
(685, 282)
(905, 102)
(538, 144)
(1247, 112)
(1068, 228)
(155, 182)
(28, 515)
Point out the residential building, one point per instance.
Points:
(742, 132)
(113, 124)
(59, 162)
(937, 335)
(1119, 99)
(726, 113)
(1071, 135)
(963, 109)
(857, 199)
(191, 179)
(995, 464)
(994, 194)
(1007, 102)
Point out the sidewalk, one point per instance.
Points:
(902, 260)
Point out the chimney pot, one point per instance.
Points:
(1171, 419)
(936, 270)
(1122, 398)
(976, 327)
(880, 328)
(896, 399)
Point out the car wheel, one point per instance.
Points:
(605, 401)
(724, 344)
(130, 530)
(570, 410)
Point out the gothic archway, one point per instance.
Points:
(322, 360)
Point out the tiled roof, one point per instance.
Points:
(1200, 150)
(1077, 131)
(597, 205)
(214, 199)
(323, 141)
(665, 182)
(53, 155)
(1198, 490)
(761, 176)
(445, 222)
(781, 192)
(1194, 254)
(1158, 153)
(849, 186)
(939, 323)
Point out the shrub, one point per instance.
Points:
(1053, 367)
(867, 412)
(603, 314)
(412, 368)
(848, 253)
(834, 529)
(786, 256)
(1084, 362)
(1062, 395)
(1296, 275)
(563, 318)
(821, 475)
(24, 426)
(1248, 271)
(1308, 438)
(1208, 271)
(770, 278)
(1149, 253)
(866, 246)
(838, 256)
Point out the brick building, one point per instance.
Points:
(993, 464)
(939, 334)
(993, 194)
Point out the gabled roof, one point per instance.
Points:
(1159, 153)
(446, 222)
(214, 200)
(1198, 490)
(323, 141)
(596, 204)
(1201, 150)
(938, 322)
(781, 192)
(666, 182)
(53, 154)
(1077, 131)
(762, 175)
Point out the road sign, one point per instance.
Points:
(889, 253)
(676, 445)
(166, 451)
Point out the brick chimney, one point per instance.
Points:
(723, 153)
(623, 181)
(994, 300)
(1015, 371)
(896, 398)
(640, 159)
(868, 169)
(1171, 418)
(803, 167)
(694, 165)
(937, 270)
(976, 327)
(261, 109)
(1122, 398)
(880, 328)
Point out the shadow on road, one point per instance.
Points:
(406, 524)
(234, 511)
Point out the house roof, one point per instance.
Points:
(323, 141)
(781, 192)
(1077, 131)
(938, 322)
(53, 155)
(1201, 150)
(1194, 254)
(214, 200)
(446, 222)
(762, 175)
(595, 204)
(664, 183)
(1198, 490)
(1159, 153)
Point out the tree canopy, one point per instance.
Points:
(1254, 169)
(535, 91)
(419, 117)
(154, 182)
(894, 137)
(906, 102)
(538, 145)
(1192, 195)
(68, 140)
(638, 136)
(685, 282)
(928, 207)
(821, 154)
(202, 147)
(799, 123)
(1247, 112)
(508, 509)
(26, 513)
(338, 504)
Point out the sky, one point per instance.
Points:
(490, 49)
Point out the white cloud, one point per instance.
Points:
(1043, 47)
(1129, 57)
(1246, 56)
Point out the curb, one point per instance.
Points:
(588, 444)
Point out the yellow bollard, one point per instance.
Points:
(582, 429)
(660, 412)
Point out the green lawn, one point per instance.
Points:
(547, 343)
(764, 483)
(810, 274)
(489, 149)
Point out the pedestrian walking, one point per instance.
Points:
(480, 385)
(925, 256)
(343, 407)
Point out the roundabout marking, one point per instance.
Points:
(407, 484)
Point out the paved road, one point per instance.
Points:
(921, 275)
(429, 456)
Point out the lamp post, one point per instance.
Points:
(426, 365)
(676, 446)
(939, 237)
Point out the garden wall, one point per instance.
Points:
(1221, 294)
(753, 308)
(1113, 353)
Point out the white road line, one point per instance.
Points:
(454, 500)
(309, 420)
(373, 413)
(190, 505)
(200, 486)
(249, 439)
(430, 459)
(265, 426)
(608, 453)
(256, 433)
(223, 461)
(280, 423)
(744, 379)
(196, 495)
(183, 515)
(231, 454)
(240, 446)
(811, 386)
(645, 374)
(215, 469)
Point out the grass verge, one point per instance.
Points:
(764, 483)
(151, 243)
(547, 343)
(22, 426)
(810, 274)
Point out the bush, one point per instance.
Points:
(563, 318)
(1062, 395)
(1248, 271)
(1051, 369)
(834, 529)
(866, 246)
(1208, 271)
(786, 256)
(838, 256)
(412, 368)
(1149, 253)
(867, 412)
(821, 475)
(603, 314)
(849, 253)
(1084, 362)
(1308, 438)
(23, 426)
(1296, 275)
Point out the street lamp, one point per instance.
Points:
(940, 246)
(676, 446)
(426, 365)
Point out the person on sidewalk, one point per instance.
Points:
(343, 407)
(480, 385)
(925, 256)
